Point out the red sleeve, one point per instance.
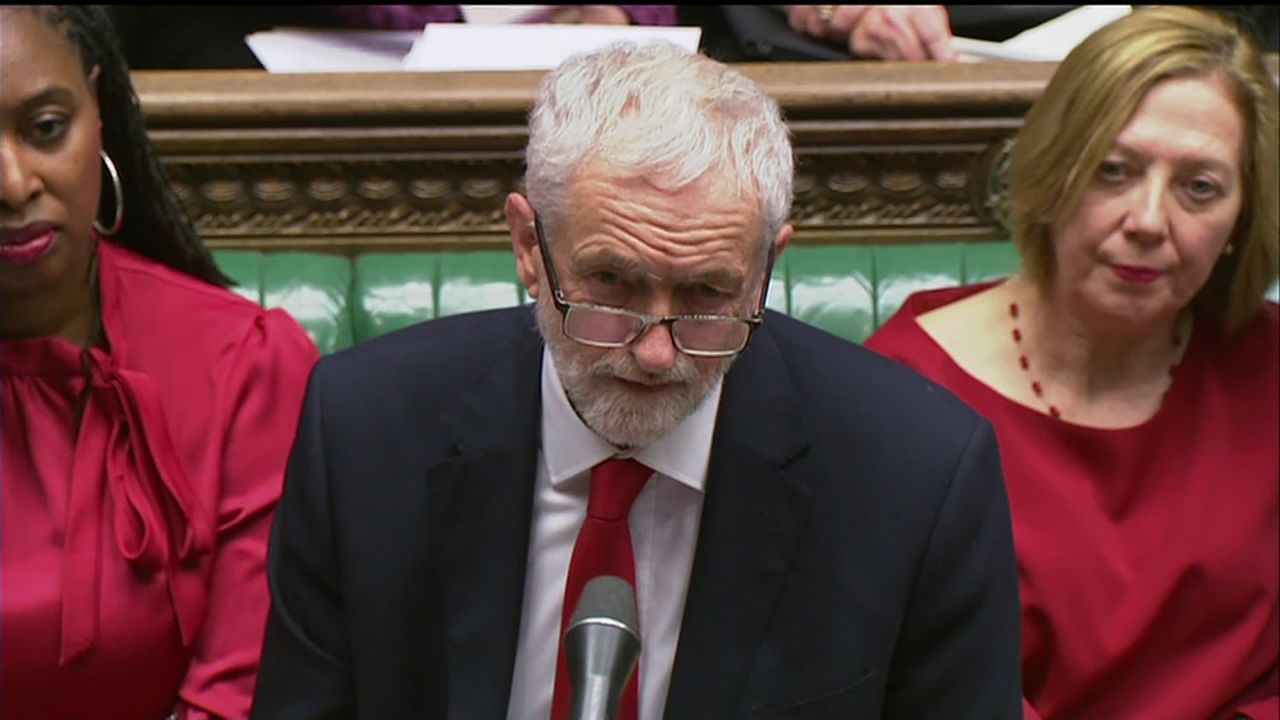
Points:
(1267, 709)
(1262, 700)
(263, 398)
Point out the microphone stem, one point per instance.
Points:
(595, 696)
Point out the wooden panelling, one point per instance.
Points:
(885, 151)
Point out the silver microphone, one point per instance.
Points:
(601, 646)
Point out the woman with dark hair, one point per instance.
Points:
(145, 410)
(1131, 369)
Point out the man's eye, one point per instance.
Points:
(607, 287)
(705, 299)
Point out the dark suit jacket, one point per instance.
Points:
(854, 560)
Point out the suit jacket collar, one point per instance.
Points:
(752, 519)
(482, 504)
(753, 515)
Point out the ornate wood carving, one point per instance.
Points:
(417, 199)
(885, 151)
(332, 200)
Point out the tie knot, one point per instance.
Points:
(614, 486)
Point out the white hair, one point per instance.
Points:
(660, 111)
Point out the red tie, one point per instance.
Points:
(603, 548)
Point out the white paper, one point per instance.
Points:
(1049, 41)
(287, 50)
(971, 50)
(504, 14)
(460, 47)
(1061, 34)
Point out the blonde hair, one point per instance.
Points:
(1093, 94)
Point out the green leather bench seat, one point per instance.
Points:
(849, 290)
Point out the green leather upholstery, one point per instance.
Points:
(315, 288)
(849, 290)
(389, 292)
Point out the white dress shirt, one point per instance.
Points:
(664, 529)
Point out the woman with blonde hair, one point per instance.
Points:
(1131, 371)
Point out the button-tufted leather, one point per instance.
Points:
(848, 290)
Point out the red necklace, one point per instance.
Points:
(1038, 388)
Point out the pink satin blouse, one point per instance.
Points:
(137, 483)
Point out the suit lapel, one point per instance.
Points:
(752, 518)
(482, 503)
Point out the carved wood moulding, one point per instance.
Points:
(329, 200)
(842, 195)
(885, 152)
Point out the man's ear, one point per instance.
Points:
(524, 241)
(783, 239)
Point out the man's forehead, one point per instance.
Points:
(717, 267)
(707, 203)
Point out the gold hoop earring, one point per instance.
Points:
(118, 220)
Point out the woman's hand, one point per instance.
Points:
(591, 15)
(884, 32)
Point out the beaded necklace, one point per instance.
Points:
(1038, 388)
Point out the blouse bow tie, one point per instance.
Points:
(159, 526)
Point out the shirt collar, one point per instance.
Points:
(572, 448)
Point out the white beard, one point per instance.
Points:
(619, 416)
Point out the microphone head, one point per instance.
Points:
(607, 598)
(601, 645)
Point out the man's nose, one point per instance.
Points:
(655, 351)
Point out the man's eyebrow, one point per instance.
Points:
(717, 277)
(610, 259)
(632, 268)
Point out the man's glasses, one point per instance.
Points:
(610, 327)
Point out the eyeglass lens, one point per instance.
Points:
(619, 328)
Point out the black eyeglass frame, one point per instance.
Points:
(564, 306)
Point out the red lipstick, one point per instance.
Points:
(1136, 274)
(27, 244)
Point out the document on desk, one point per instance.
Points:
(299, 50)
(447, 46)
(1050, 41)
(461, 47)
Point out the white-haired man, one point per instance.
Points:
(810, 530)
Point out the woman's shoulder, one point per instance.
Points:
(953, 325)
(928, 317)
(142, 278)
(1251, 349)
(950, 336)
(148, 298)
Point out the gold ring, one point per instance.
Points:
(826, 13)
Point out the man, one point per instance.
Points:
(819, 533)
